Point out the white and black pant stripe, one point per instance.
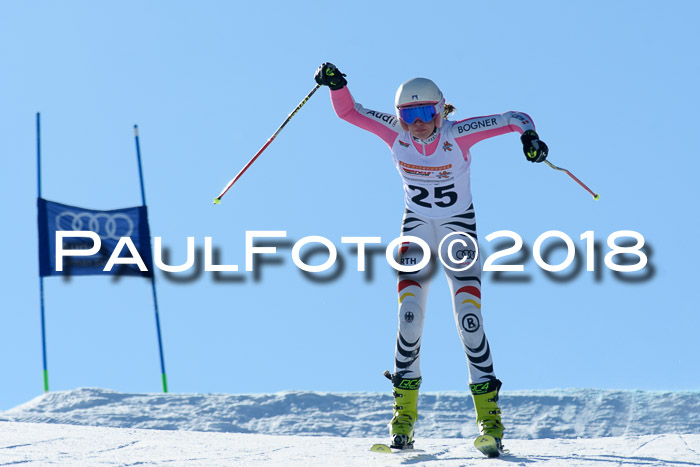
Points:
(465, 287)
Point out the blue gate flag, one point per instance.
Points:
(109, 225)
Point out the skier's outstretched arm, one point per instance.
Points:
(472, 130)
(384, 125)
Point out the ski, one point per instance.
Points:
(380, 448)
(385, 448)
(489, 446)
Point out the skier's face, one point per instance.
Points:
(420, 129)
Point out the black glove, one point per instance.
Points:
(534, 149)
(329, 75)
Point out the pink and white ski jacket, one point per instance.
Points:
(435, 171)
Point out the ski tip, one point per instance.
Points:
(488, 445)
(217, 200)
(596, 197)
(380, 448)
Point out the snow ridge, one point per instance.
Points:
(569, 414)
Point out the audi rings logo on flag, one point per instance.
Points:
(106, 225)
(109, 226)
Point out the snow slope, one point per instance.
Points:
(47, 444)
(571, 427)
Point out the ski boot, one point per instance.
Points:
(405, 410)
(488, 417)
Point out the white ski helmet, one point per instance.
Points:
(419, 91)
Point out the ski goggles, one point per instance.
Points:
(425, 113)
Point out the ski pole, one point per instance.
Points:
(217, 200)
(596, 196)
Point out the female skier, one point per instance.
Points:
(433, 159)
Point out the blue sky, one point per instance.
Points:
(611, 87)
